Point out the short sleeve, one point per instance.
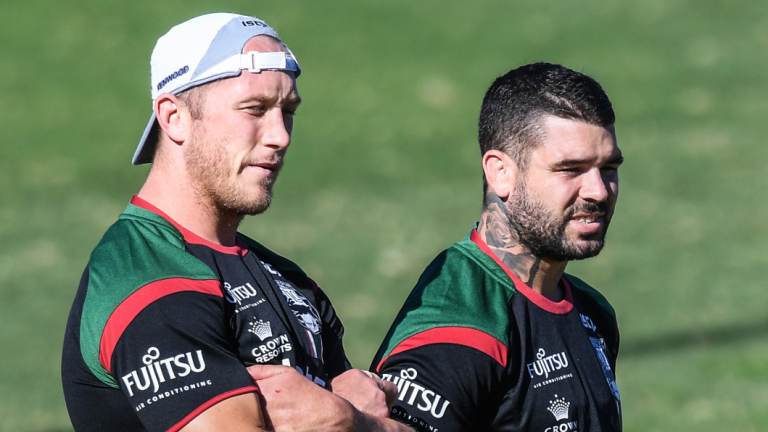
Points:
(444, 386)
(175, 359)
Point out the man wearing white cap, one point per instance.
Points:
(175, 303)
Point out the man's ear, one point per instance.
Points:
(174, 121)
(500, 173)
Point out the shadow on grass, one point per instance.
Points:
(695, 338)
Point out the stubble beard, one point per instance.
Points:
(215, 185)
(543, 232)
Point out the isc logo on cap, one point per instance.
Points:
(251, 23)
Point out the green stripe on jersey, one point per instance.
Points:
(140, 248)
(462, 287)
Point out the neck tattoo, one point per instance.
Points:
(505, 242)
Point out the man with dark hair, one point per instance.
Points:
(495, 335)
(175, 302)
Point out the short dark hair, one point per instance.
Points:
(516, 101)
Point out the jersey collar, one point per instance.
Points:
(560, 307)
(188, 235)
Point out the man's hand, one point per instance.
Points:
(365, 391)
(294, 403)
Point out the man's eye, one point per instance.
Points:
(256, 110)
(573, 170)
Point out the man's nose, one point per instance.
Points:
(594, 186)
(277, 130)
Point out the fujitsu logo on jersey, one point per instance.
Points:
(156, 372)
(411, 393)
(544, 365)
(239, 293)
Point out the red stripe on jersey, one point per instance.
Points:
(127, 310)
(465, 336)
(561, 307)
(209, 403)
(188, 235)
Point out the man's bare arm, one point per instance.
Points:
(241, 413)
(295, 403)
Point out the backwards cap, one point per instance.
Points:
(205, 49)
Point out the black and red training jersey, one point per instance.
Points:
(164, 324)
(474, 348)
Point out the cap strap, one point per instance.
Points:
(254, 61)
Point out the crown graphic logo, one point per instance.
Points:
(559, 408)
(262, 329)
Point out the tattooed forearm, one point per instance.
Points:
(499, 235)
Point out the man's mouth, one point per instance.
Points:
(589, 223)
(588, 218)
(269, 166)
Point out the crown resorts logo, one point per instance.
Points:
(261, 328)
(559, 408)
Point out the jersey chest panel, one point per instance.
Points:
(559, 381)
(273, 320)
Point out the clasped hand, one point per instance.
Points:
(294, 403)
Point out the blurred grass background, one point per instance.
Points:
(384, 172)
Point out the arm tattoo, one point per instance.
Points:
(504, 241)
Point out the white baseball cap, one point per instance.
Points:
(205, 49)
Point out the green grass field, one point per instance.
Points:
(384, 172)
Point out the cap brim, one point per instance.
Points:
(146, 148)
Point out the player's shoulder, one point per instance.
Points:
(141, 247)
(140, 259)
(463, 269)
(584, 292)
(458, 299)
(458, 288)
